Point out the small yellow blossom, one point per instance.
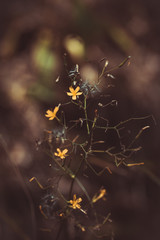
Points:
(60, 154)
(52, 114)
(75, 202)
(101, 194)
(74, 92)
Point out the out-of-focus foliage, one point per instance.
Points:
(40, 40)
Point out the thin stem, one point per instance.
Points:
(103, 70)
(71, 175)
(72, 182)
(119, 66)
(85, 112)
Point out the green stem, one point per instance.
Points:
(72, 176)
(85, 112)
(72, 182)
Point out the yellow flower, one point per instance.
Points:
(52, 114)
(60, 154)
(75, 202)
(74, 92)
(101, 194)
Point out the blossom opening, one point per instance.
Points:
(74, 92)
(52, 114)
(61, 154)
(75, 202)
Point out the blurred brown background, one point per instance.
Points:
(34, 35)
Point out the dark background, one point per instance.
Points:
(34, 35)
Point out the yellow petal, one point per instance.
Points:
(48, 113)
(79, 200)
(79, 93)
(77, 89)
(74, 97)
(64, 151)
(58, 150)
(69, 94)
(55, 110)
(51, 118)
(71, 89)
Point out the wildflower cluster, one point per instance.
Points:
(73, 145)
